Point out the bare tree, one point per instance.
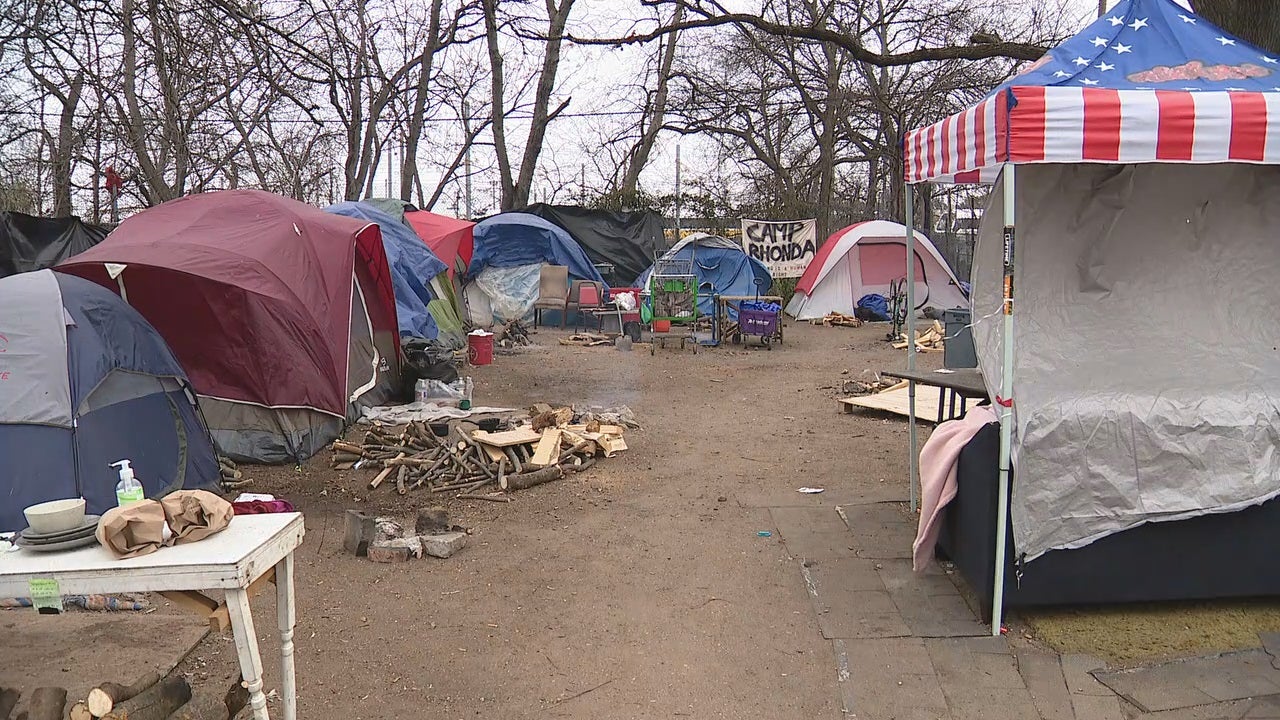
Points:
(516, 182)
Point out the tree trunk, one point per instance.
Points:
(413, 132)
(497, 92)
(639, 156)
(1257, 21)
(542, 113)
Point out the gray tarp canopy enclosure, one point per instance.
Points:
(86, 381)
(1145, 368)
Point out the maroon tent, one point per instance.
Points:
(282, 314)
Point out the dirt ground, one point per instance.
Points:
(637, 589)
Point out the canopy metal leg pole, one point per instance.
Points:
(912, 470)
(1005, 402)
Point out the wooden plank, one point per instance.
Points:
(495, 454)
(548, 450)
(898, 402)
(507, 438)
(205, 606)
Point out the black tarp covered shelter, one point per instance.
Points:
(628, 240)
(34, 243)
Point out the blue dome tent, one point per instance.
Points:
(413, 267)
(86, 381)
(722, 268)
(509, 252)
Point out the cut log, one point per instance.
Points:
(548, 450)
(339, 446)
(104, 697)
(377, 480)
(237, 697)
(205, 706)
(155, 703)
(527, 480)
(47, 703)
(80, 711)
(8, 699)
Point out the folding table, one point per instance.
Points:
(231, 560)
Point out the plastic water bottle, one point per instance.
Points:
(465, 403)
(128, 490)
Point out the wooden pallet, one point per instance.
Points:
(897, 402)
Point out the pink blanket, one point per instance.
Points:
(938, 460)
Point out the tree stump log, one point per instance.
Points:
(156, 703)
(104, 697)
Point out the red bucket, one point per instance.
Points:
(480, 348)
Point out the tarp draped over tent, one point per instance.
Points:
(865, 258)
(516, 238)
(283, 315)
(33, 243)
(412, 266)
(1119, 418)
(85, 381)
(510, 250)
(722, 268)
(627, 240)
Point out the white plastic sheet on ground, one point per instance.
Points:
(511, 291)
(1146, 373)
(423, 412)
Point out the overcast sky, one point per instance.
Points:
(592, 76)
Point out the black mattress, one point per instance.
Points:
(1211, 556)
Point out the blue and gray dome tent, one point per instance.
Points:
(722, 268)
(86, 381)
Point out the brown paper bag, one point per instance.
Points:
(133, 530)
(195, 514)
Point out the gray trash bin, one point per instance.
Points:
(958, 350)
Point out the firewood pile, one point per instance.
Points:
(150, 698)
(868, 386)
(928, 339)
(836, 319)
(460, 457)
(587, 340)
(232, 478)
(511, 335)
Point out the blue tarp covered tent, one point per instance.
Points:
(514, 239)
(86, 381)
(722, 267)
(412, 264)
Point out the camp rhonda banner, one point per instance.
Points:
(784, 246)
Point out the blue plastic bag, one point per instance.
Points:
(876, 305)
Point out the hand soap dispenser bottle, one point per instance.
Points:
(128, 490)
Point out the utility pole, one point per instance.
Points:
(390, 160)
(678, 202)
(1102, 7)
(466, 160)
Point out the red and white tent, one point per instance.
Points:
(865, 258)
(1130, 180)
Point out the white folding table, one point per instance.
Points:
(231, 560)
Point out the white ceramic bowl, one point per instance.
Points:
(56, 515)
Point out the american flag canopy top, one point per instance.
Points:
(1150, 81)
